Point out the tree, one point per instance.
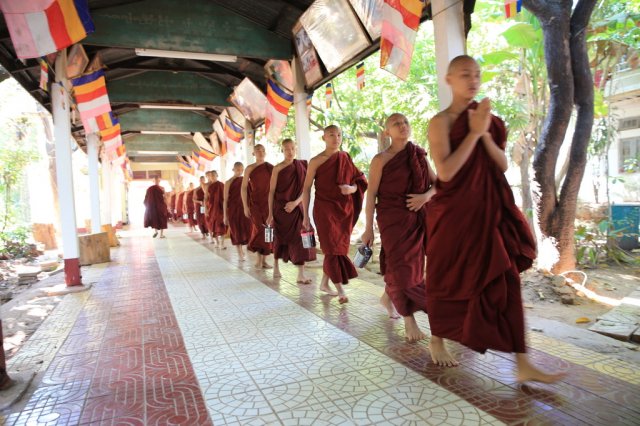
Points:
(570, 86)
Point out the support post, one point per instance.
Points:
(303, 136)
(62, 135)
(94, 183)
(107, 218)
(249, 142)
(450, 41)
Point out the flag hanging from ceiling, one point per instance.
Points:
(511, 7)
(185, 167)
(400, 22)
(101, 122)
(44, 75)
(360, 75)
(111, 138)
(91, 96)
(233, 131)
(278, 104)
(40, 27)
(197, 162)
(328, 94)
(206, 156)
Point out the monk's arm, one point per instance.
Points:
(495, 152)
(306, 193)
(375, 174)
(243, 191)
(227, 185)
(272, 193)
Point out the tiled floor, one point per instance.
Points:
(176, 334)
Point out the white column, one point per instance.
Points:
(248, 142)
(106, 188)
(62, 136)
(448, 29)
(303, 136)
(94, 183)
(223, 168)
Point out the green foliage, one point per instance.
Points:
(14, 244)
(596, 244)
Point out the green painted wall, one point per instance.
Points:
(164, 120)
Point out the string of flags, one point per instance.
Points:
(360, 75)
(511, 7)
(400, 22)
(44, 74)
(233, 131)
(328, 95)
(279, 102)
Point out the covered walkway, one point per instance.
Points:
(177, 332)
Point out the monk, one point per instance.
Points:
(340, 188)
(401, 180)
(255, 199)
(172, 205)
(478, 241)
(180, 206)
(239, 225)
(214, 200)
(199, 207)
(189, 208)
(155, 214)
(285, 212)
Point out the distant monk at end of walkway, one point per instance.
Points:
(189, 208)
(400, 185)
(214, 201)
(285, 212)
(155, 214)
(180, 206)
(239, 225)
(478, 241)
(255, 199)
(340, 188)
(199, 207)
(172, 205)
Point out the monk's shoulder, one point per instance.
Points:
(380, 159)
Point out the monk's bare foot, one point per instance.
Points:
(265, 265)
(325, 287)
(343, 299)
(527, 372)
(303, 280)
(276, 273)
(412, 331)
(439, 353)
(391, 310)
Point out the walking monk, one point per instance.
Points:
(239, 225)
(214, 200)
(255, 199)
(400, 179)
(189, 208)
(198, 205)
(172, 205)
(285, 212)
(340, 188)
(180, 206)
(155, 214)
(478, 241)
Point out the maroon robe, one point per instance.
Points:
(287, 243)
(155, 214)
(403, 231)
(179, 207)
(191, 208)
(477, 243)
(199, 210)
(258, 194)
(214, 208)
(239, 225)
(172, 205)
(335, 214)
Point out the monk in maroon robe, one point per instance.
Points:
(239, 225)
(180, 207)
(285, 212)
(199, 207)
(172, 205)
(214, 210)
(478, 241)
(340, 188)
(189, 208)
(155, 214)
(400, 180)
(255, 199)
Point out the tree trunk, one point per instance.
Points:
(51, 156)
(570, 84)
(525, 188)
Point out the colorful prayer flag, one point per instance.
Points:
(40, 27)
(91, 96)
(511, 7)
(101, 122)
(44, 75)
(328, 95)
(278, 104)
(400, 22)
(233, 131)
(360, 75)
(206, 155)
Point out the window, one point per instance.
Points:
(629, 155)
(629, 123)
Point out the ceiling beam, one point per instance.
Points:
(164, 120)
(142, 143)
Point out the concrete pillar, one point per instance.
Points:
(106, 188)
(303, 136)
(62, 136)
(248, 142)
(450, 41)
(223, 168)
(94, 184)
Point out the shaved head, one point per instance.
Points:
(238, 164)
(288, 141)
(331, 127)
(391, 117)
(459, 62)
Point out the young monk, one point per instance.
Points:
(478, 241)
(255, 199)
(239, 225)
(400, 180)
(155, 214)
(189, 208)
(180, 207)
(199, 207)
(285, 212)
(214, 201)
(340, 188)
(172, 205)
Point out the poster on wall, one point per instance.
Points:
(249, 100)
(280, 71)
(307, 54)
(370, 13)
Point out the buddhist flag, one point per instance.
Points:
(44, 75)
(111, 138)
(91, 96)
(101, 122)
(360, 75)
(186, 167)
(233, 131)
(511, 7)
(40, 27)
(206, 156)
(278, 103)
(400, 22)
(197, 162)
(328, 94)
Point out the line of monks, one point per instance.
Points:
(463, 219)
